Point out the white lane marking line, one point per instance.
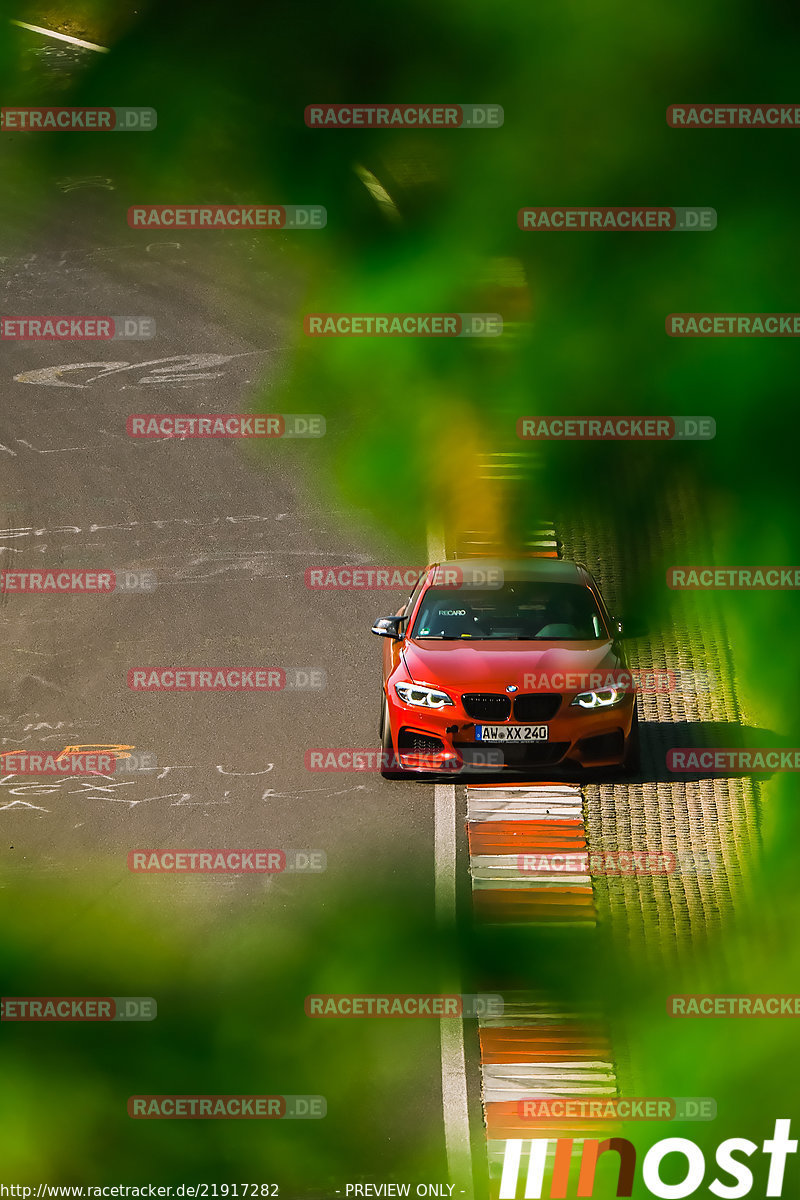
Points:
(444, 840)
(451, 1033)
(454, 1102)
(61, 37)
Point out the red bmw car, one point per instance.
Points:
(516, 665)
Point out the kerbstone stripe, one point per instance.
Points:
(547, 802)
(541, 819)
(548, 1056)
(533, 1051)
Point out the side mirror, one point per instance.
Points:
(630, 627)
(388, 627)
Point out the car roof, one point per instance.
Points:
(557, 570)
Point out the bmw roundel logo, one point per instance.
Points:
(512, 687)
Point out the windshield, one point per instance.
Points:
(521, 610)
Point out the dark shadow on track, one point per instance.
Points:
(658, 739)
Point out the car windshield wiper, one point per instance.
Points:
(467, 637)
(441, 637)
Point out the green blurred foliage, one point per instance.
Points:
(230, 988)
(584, 89)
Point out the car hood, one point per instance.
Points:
(492, 666)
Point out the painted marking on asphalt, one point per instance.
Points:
(454, 1103)
(71, 183)
(61, 37)
(451, 1033)
(379, 194)
(444, 838)
(30, 531)
(58, 450)
(179, 369)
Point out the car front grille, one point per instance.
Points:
(538, 706)
(486, 706)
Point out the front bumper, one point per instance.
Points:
(443, 740)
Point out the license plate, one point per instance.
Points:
(511, 733)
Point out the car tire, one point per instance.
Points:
(387, 749)
(632, 760)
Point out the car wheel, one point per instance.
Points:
(387, 749)
(632, 762)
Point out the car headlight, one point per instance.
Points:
(601, 699)
(422, 697)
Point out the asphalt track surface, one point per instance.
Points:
(229, 531)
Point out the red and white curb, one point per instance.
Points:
(532, 1051)
(504, 823)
